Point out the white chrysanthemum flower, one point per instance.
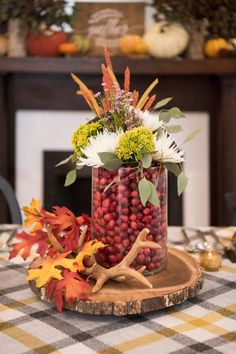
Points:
(167, 150)
(103, 142)
(149, 120)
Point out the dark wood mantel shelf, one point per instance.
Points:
(92, 65)
(196, 85)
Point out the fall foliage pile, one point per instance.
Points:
(62, 240)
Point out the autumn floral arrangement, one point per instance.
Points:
(130, 148)
(127, 131)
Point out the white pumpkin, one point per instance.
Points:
(166, 40)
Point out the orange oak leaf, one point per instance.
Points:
(65, 221)
(48, 269)
(72, 287)
(88, 249)
(26, 243)
(32, 213)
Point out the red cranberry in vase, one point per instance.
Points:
(120, 215)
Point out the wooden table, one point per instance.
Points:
(205, 323)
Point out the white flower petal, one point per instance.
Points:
(149, 120)
(167, 150)
(103, 142)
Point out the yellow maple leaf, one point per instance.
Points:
(89, 248)
(48, 269)
(32, 213)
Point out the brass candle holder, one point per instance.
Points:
(210, 257)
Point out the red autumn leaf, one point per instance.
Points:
(84, 219)
(65, 221)
(27, 242)
(72, 287)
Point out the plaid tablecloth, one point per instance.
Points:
(204, 324)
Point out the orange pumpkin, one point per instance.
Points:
(68, 48)
(133, 44)
(214, 46)
(45, 44)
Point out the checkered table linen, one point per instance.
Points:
(203, 324)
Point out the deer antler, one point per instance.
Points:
(121, 271)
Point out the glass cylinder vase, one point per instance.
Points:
(118, 216)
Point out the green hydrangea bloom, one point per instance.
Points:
(134, 143)
(81, 136)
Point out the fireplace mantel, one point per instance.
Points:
(196, 85)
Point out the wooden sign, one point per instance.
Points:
(105, 23)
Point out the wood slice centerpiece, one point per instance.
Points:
(182, 279)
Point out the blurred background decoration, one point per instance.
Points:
(105, 23)
(29, 26)
(193, 29)
(205, 20)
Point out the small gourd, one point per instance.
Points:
(166, 40)
(68, 48)
(83, 43)
(213, 47)
(3, 45)
(133, 44)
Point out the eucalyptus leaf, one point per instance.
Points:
(106, 156)
(176, 113)
(181, 183)
(173, 168)
(153, 199)
(146, 160)
(110, 160)
(113, 164)
(74, 158)
(63, 162)
(162, 103)
(174, 129)
(79, 167)
(191, 136)
(144, 190)
(70, 178)
(165, 116)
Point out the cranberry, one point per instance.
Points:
(133, 225)
(135, 202)
(134, 194)
(125, 242)
(146, 211)
(124, 218)
(140, 259)
(107, 217)
(124, 226)
(125, 211)
(133, 217)
(111, 224)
